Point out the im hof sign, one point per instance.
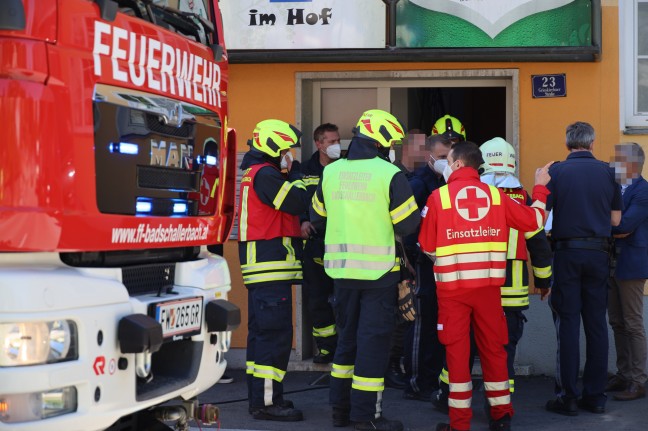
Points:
(549, 85)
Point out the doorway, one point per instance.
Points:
(485, 101)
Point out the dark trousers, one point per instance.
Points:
(515, 322)
(318, 289)
(366, 319)
(397, 348)
(580, 290)
(269, 342)
(424, 354)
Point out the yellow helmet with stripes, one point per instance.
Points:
(380, 126)
(273, 136)
(450, 127)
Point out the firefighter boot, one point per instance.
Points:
(440, 399)
(323, 357)
(278, 413)
(341, 416)
(285, 404)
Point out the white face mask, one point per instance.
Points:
(334, 151)
(392, 155)
(447, 171)
(437, 166)
(284, 160)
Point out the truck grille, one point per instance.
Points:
(151, 278)
(166, 178)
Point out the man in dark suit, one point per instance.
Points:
(625, 304)
(586, 203)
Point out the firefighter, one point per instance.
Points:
(450, 128)
(365, 202)
(270, 256)
(318, 287)
(465, 231)
(499, 171)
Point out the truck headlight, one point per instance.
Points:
(37, 405)
(32, 343)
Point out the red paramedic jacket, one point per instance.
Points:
(466, 227)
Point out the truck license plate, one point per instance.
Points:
(180, 317)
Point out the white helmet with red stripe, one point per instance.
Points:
(499, 156)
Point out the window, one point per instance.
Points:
(190, 18)
(633, 53)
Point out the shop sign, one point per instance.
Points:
(303, 24)
(493, 23)
(549, 85)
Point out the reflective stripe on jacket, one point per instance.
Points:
(258, 220)
(515, 291)
(359, 242)
(465, 227)
(471, 252)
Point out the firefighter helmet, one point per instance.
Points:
(272, 136)
(380, 126)
(499, 156)
(450, 127)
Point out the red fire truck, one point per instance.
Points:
(117, 179)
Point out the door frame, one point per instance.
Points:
(308, 86)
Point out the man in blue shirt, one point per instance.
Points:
(586, 203)
(625, 307)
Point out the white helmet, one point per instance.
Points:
(499, 156)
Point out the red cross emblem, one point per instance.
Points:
(472, 203)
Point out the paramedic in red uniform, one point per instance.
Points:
(465, 231)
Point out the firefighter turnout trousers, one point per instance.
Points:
(482, 309)
(318, 289)
(366, 319)
(269, 342)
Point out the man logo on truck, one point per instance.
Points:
(170, 154)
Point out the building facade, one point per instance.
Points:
(520, 69)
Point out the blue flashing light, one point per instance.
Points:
(143, 206)
(180, 208)
(124, 148)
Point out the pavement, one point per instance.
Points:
(309, 392)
